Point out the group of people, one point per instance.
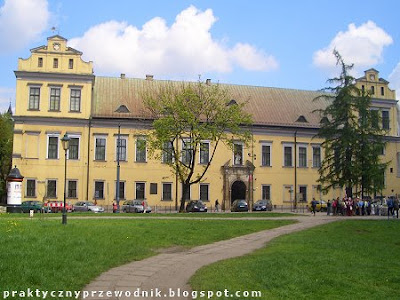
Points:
(348, 206)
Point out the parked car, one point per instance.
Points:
(27, 206)
(57, 206)
(196, 206)
(88, 206)
(321, 206)
(134, 206)
(262, 205)
(239, 205)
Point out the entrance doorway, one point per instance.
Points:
(238, 191)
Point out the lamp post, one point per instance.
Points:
(65, 143)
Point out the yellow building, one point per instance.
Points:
(57, 94)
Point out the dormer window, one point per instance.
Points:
(302, 119)
(55, 63)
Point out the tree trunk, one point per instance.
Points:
(185, 196)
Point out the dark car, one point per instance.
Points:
(239, 205)
(27, 206)
(262, 205)
(196, 206)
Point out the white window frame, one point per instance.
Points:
(51, 87)
(99, 136)
(208, 191)
(289, 145)
(125, 138)
(241, 144)
(26, 187)
(320, 156)
(172, 191)
(208, 151)
(269, 144)
(56, 135)
(303, 146)
(70, 98)
(144, 190)
(141, 138)
(75, 136)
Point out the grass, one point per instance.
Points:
(44, 254)
(174, 215)
(342, 260)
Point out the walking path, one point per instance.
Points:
(171, 270)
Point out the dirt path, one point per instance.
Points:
(168, 273)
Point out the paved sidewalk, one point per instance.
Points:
(171, 271)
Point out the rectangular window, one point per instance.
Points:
(316, 157)
(153, 188)
(140, 190)
(31, 188)
(122, 148)
(266, 192)
(288, 156)
(167, 153)
(55, 94)
(166, 191)
(303, 193)
(302, 157)
(266, 155)
(121, 190)
(52, 147)
(99, 189)
(34, 98)
(382, 91)
(204, 152)
(100, 152)
(141, 150)
(385, 119)
(238, 154)
(72, 188)
(204, 192)
(70, 63)
(186, 151)
(51, 188)
(55, 63)
(75, 100)
(372, 90)
(73, 150)
(40, 62)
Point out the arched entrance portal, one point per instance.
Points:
(238, 190)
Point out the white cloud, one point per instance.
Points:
(361, 46)
(21, 22)
(186, 48)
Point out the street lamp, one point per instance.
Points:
(65, 143)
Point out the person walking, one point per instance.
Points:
(216, 206)
(396, 207)
(313, 206)
(328, 208)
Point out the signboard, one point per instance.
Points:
(14, 193)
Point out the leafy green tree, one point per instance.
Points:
(187, 114)
(6, 139)
(352, 139)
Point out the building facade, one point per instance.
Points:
(58, 93)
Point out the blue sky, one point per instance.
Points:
(283, 43)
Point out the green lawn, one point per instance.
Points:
(342, 260)
(42, 253)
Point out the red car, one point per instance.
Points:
(57, 206)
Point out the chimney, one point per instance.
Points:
(122, 76)
(208, 81)
(149, 77)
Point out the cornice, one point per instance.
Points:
(53, 76)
